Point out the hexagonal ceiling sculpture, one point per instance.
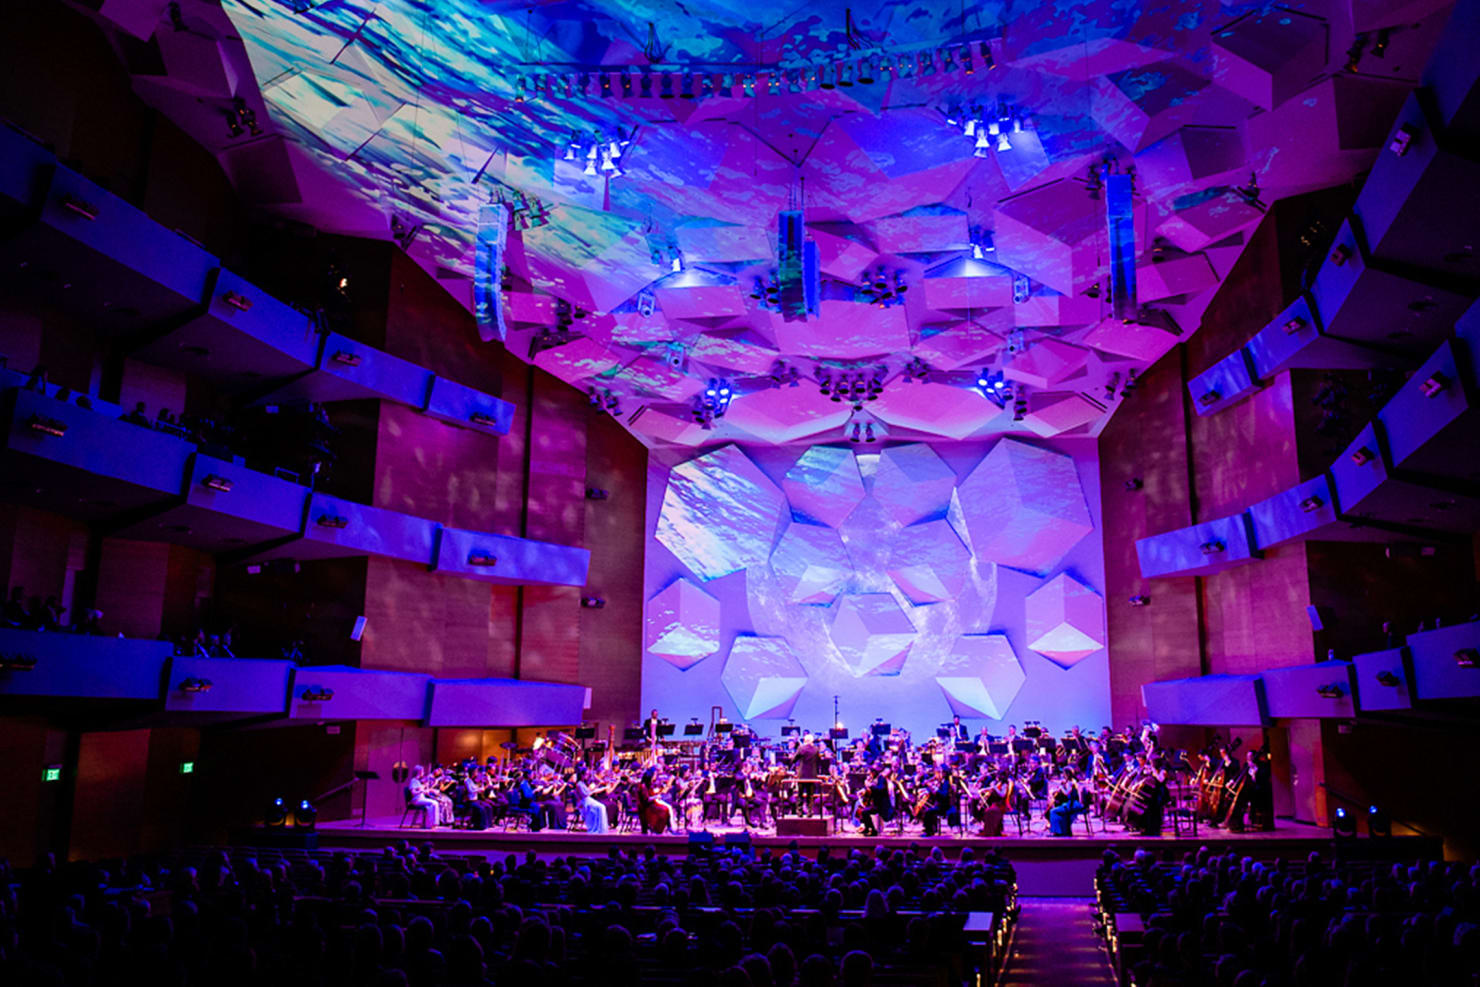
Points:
(929, 563)
(824, 484)
(763, 677)
(1024, 506)
(981, 676)
(683, 624)
(719, 513)
(1065, 620)
(811, 563)
(912, 482)
(420, 113)
(872, 633)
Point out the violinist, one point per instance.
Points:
(878, 808)
(746, 797)
(994, 803)
(1068, 802)
(937, 801)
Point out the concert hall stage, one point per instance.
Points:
(1287, 839)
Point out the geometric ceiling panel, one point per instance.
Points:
(1052, 413)
(421, 114)
(763, 677)
(872, 633)
(824, 484)
(683, 624)
(810, 563)
(1045, 363)
(719, 513)
(940, 409)
(929, 562)
(1065, 620)
(1024, 507)
(912, 483)
(981, 676)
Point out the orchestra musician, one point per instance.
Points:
(937, 802)
(994, 803)
(1068, 803)
(654, 814)
(746, 798)
(593, 813)
(959, 730)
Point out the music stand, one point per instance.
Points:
(586, 733)
(693, 729)
(632, 735)
(791, 730)
(944, 733)
(1021, 746)
(881, 729)
(366, 777)
(742, 740)
(1046, 743)
(724, 726)
(997, 747)
(1032, 732)
(838, 733)
(665, 729)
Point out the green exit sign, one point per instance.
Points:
(187, 767)
(52, 772)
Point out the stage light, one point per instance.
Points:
(187, 767)
(866, 71)
(593, 603)
(1003, 144)
(316, 694)
(1434, 385)
(1467, 657)
(1331, 690)
(52, 772)
(1379, 826)
(987, 58)
(1209, 397)
(47, 426)
(304, 817)
(1344, 825)
(1140, 600)
(869, 432)
(597, 493)
(195, 685)
(276, 813)
(1212, 547)
(1362, 456)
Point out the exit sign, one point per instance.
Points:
(52, 772)
(187, 767)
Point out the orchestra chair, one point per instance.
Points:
(628, 821)
(425, 810)
(1183, 815)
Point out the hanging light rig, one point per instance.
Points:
(599, 153)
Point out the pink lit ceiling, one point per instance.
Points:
(408, 115)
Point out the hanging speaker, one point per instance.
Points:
(359, 629)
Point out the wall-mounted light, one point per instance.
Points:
(482, 418)
(1363, 456)
(316, 694)
(1312, 504)
(1341, 255)
(346, 358)
(1467, 658)
(17, 662)
(1331, 690)
(1389, 679)
(482, 559)
(80, 208)
(42, 425)
(597, 493)
(195, 684)
(214, 481)
(1212, 547)
(237, 301)
(1209, 397)
(1140, 600)
(332, 521)
(1433, 385)
(1401, 140)
(592, 602)
(1294, 325)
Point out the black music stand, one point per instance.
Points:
(585, 733)
(791, 730)
(367, 777)
(837, 733)
(724, 726)
(633, 735)
(997, 747)
(693, 729)
(665, 729)
(1021, 746)
(881, 729)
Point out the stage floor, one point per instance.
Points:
(1287, 838)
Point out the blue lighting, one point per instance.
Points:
(1340, 813)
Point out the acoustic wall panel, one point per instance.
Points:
(1325, 690)
(1209, 700)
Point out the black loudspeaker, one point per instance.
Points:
(1317, 618)
(801, 826)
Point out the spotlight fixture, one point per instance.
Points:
(481, 559)
(316, 694)
(1379, 826)
(1389, 679)
(1212, 547)
(593, 603)
(1294, 325)
(218, 483)
(1363, 456)
(1467, 658)
(276, 813)
(195, 685)
(1210, 396)
(17, 662)
(1020, 406)
(868, 431)
(1401, 140)
(785, 374)
(1331, 690)
(1343, 824)
(43, 425)
(305, 815)
(1140, 600)
(1312, 504)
